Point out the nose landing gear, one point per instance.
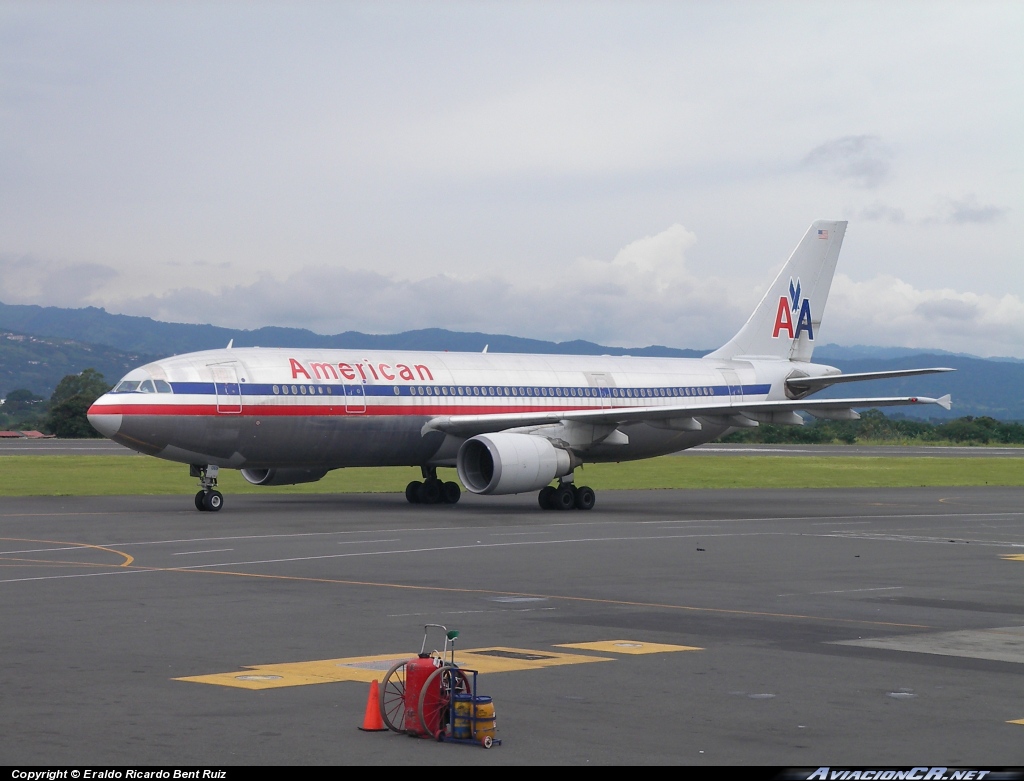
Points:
(209, 499)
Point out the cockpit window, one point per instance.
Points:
(142, 386)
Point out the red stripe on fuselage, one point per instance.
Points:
(280, 410)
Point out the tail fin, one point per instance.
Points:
(785, 323)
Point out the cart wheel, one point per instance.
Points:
(392, 698)
(452, 681)
(487, 741)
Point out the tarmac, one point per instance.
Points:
(784, 628)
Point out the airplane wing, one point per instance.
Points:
(743, 413)
(807, 384)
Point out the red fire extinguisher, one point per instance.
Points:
(416, 673)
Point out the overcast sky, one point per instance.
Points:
(629, 173)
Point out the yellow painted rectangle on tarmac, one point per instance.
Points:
(367, 668)
(1015, 557)
(274, 676)
(503, 660)
(1016, 721)
(629, 647)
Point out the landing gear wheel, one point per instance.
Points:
(213, 501)
(585, 498)
(392, 698)
(546, 497)
(451, 493)
(438, 715)
(412, 492)
(565, 497)
(430, 493)
(199, 501)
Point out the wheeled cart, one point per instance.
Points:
(431, 696)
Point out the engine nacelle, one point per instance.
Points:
(510, 463)
(282, 476)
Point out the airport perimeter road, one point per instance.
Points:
(62, 447)
(792, 628)
(895, 451)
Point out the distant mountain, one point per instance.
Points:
(42, 344)
(145, 335)
(834, 352)
(38, 363)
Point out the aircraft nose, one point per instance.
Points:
(106, 423)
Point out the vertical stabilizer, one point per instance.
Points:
(786, 322)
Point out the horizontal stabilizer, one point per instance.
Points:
(817, 383)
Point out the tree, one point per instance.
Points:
(21, 400)
(70, 404)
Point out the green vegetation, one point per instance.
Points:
(135, 475)
(22, 410)
(65, 412)
(71, 401)
(875, 428)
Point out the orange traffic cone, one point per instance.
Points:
(372, 722)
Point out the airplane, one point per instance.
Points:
(508, 423)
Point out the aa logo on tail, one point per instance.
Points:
(794, 314)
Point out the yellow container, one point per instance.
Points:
(473, 715)
(460, 723)
(484, 722)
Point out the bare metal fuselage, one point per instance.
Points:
(265, 408)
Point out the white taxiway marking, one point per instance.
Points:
(363, 542)
(843, 591)
(190, 552)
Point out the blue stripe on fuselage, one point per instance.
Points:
(472, 391)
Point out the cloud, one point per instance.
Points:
(861, 160)
(879, 212)
(645, 294)
(967, 210)
(887, 311)
(25, 279)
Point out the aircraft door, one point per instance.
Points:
(603, 383)
(604, 388)
(226, 388)
(355, 398)
(732, 380)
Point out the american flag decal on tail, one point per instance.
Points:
(822, 234)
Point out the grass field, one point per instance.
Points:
(114, 475)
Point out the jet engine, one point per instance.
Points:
(282, 476)
(506, 463)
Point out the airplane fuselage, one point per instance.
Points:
(262, 408)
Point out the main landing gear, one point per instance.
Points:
(432, 490)
(566, 496)
(209, 499)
